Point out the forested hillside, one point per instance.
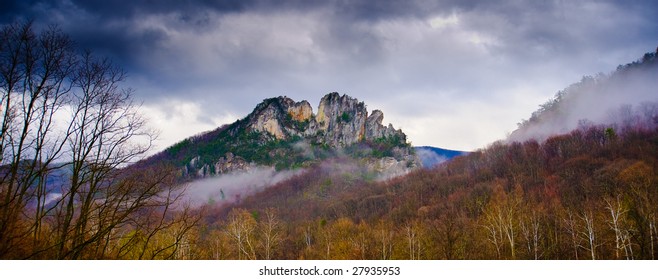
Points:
(285, 134)
(589, 194)
(578, 180)
(575, 181)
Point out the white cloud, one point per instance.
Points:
(176, 120)
(439, 22)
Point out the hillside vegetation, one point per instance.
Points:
(589, 194)
(575, 181)
(579, 180)
(285, 134)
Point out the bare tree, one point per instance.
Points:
(271, 231)
(449, 229)
(101, 139)
(34, 75)
(412, 235)
(588, 232)
(531, 230)
(360, 240)
(617, 224)
(652, 233)
(494, 233)
(65, 111)
(384, 234)
(240, 228)
(500, 220)
(571, 224)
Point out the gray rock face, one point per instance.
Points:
(231, 163)
(341, 120)
(281, 117)
(375, 129)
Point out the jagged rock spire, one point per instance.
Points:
(340, 121)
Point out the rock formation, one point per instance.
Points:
(340, 121)
(284, 133)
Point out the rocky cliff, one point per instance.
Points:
(341, 121)
(283, 133)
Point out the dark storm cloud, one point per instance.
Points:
(528, 28)
(132, 8)
(425, 63)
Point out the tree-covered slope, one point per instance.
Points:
(286, 134)
(526, 200)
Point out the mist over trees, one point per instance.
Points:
(576, 181)
(65, 114)
(69, 189)
(617, 99)
(589, 194)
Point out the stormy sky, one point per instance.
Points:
(452, 74)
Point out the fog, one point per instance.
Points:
(229, 188)
(430, 158)
(625, 96)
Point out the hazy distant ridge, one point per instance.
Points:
(626, 96)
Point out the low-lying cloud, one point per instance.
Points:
(230, 188)
(618, 99)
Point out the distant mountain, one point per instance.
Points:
(285, 134)
(433, 156)
(628, 97)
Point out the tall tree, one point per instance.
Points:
(65, 111)
(35, 72)
(270, 228)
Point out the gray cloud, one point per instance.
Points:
(457, 74)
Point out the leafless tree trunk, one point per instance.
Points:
(241, 226)
(271, 232)
(34, 72)
(652, 233)
(500, 224)
(413, 241)
(589, 233)
(494, 235)
(532, 234)
(384, 235)
(308, 237)
(106, 134)
(572, 228)
(617, 225)
(509, 228)
(42, 78)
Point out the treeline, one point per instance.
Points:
(590, 194)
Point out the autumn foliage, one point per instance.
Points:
(584, 195)
(71, 192)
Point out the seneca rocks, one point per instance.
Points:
(340, 121)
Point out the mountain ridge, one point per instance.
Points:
(626, 95)
(286, 134)
(432, 156)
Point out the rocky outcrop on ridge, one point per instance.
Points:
(340, 121)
